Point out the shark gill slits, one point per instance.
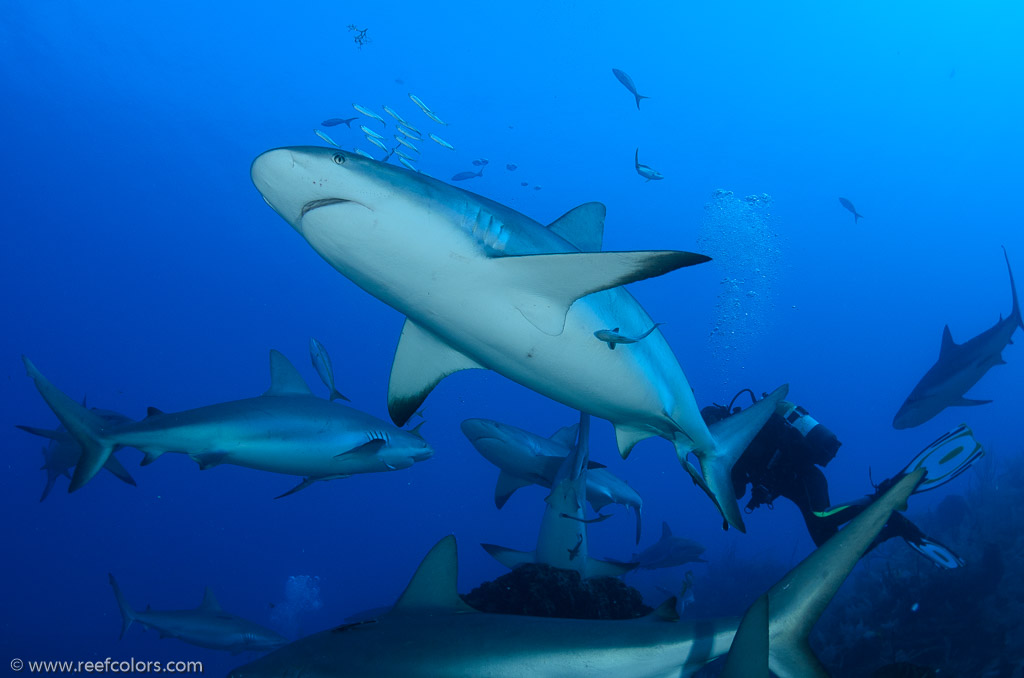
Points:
(323, 202)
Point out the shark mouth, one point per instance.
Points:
(324, 202)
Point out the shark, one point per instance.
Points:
(286, 430)
(63, 452)
(669, 551)
(525, 459)
(206, 626)
(562, 541)
(432, 633)
(959, 367)
(484, 286)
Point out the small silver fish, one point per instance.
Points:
(410, 134)
(433, 116)
(612, 337)
(396, 116)
(399, 153)
(370, 133)
(407, 144)
(322, 364)
(419, 102)
(379, 145)
(326, 138)
(441, 141)
(364, 154)
(404, 161)
(368, 113)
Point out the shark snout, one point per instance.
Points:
(477, 429)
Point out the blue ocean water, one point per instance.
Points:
(141, 267)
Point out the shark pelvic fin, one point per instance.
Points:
(507, 484)
(796, 602)
(209, 603)
(285, 380)
(582, 227)
(548, 284)
(422, 360)
(433, 587)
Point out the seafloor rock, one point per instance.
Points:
(545, 591)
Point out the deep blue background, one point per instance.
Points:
(140, 266)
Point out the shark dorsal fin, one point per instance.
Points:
(432, 588)
(209, 603)
(151, 411)
(665, 612)
(565, 436)
(947, 342)
(422, 360)
(284, 378)
(666, 531)
(582, 227)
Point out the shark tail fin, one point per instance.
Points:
(732, 435)
(796, 602)
(85, 426)
(1015, 313)
(127, 614)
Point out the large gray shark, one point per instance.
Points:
(64, 452)
(960, 367)
(206, 626)
(527, 459)
(432, 633)
(285, 430)
(669, 551)
(562, 541)
(484, 286)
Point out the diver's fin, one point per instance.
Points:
(285, 380)
(127, 614)
(946, 457)
(748, 654)
(550, 283)
(941, 556)
(84, 425)
(422, 360)
(432, 587)
(582, 226)
(607, 568)
(510, 558)
(796, 602)
(732, 436)
(507, 484)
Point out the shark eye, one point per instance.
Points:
(338, 158)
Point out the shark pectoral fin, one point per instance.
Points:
(372, 447)
(967, 402)
(422, 360)
(285, 380)
(550, 283)
(507, 484)
(510, 558)
(208, 460)
(50, 434)
(748, 654)
(666, 612)
(796, 602)
(432, 587)
(582, 227)
(565, 436)
(153, 411)
(626, 437)
(607, 568)
(591, 465)
(115, 467)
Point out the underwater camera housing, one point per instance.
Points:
(820, 443)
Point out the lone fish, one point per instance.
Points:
(849, 205)
(646, 171)
(331, 122)
(324, 367)
(612, 337)
(624, 78)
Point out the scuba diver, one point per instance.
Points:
(783, 460)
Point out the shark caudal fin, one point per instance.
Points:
(85, 426)
(799, 598)
(127, 615)
(732, 435)
(1015, 313)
